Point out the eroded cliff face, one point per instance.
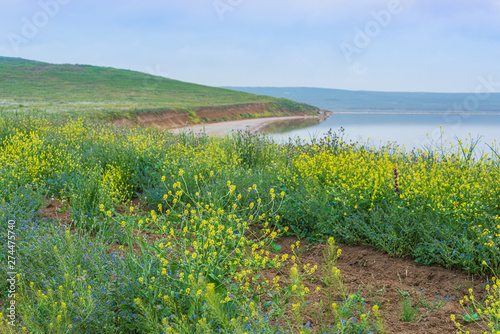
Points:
(170, 119)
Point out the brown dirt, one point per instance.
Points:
(122, 121)
(379, 277)
(56, 209)
(373, 272)
(165, 120)
(169, 119)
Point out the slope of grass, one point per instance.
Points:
(83, 90)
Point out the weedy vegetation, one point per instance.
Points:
(189, 257)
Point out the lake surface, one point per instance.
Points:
(411, 130)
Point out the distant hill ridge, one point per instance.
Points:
(104, 92)
(345, 100)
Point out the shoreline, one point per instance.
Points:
(255, 124)
(222, 128)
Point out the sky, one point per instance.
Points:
(380, 45)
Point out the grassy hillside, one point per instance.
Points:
(345, 100)
(101, 91)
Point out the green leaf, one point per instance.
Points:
(266, 305)
(275, 248)
(470, 317)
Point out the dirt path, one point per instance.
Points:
(223, 128)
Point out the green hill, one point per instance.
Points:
(105, 92)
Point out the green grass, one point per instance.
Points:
(103, 92)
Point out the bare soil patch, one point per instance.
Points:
(381, 278)
(55, 209)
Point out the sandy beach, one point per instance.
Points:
(222, 128)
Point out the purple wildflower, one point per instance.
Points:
(396, 188)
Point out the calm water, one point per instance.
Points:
(412, 130)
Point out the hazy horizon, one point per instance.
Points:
(349, 90)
